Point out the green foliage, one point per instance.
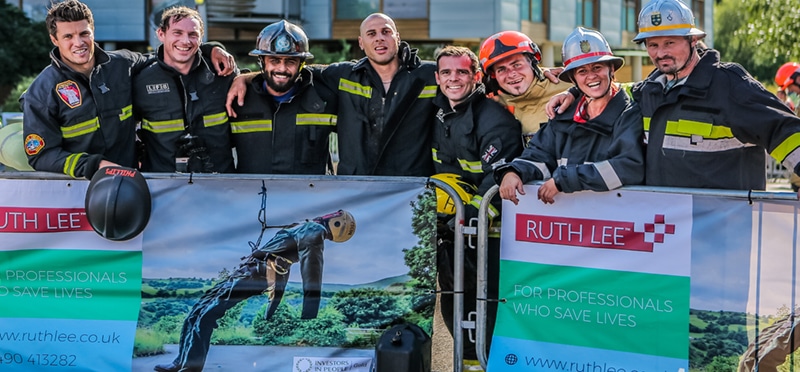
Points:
(12, 102)
(286, 328)
(723, 364)
(327, 329)
(421, 259)
(24, 47)
(326, 56)
(169, 327)
(367, 307)
(232, 336)
(147, 342)
(231, 317)
(759, 34)
(280, 328)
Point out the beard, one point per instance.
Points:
(269, 77)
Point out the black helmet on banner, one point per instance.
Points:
(118, 203)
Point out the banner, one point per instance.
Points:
(215, 255)
(642, 281)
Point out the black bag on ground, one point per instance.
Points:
(403, 348)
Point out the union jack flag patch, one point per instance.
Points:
(489, 154)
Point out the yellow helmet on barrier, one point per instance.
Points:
(465, 191)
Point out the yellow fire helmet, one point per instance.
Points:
(341, 224)
(444, 202)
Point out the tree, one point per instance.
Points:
(759, 34)
(24, 47)
(367, 307)
(421, 259)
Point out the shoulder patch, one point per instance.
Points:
(489, 154)
(157, 88)
(33, 144)
(69, 93)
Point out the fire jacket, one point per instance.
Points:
(470, 138)
(602, 154)
(283, 138)
(384, 132)
(711, 131)
(171, 105)
(72, 122)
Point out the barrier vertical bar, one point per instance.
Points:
(483, 244)
(458, 275)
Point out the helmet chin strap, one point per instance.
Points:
(692, 52)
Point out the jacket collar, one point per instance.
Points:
(603, 123)
(699, 80)
(407, 55)
(100, 58)
(198, 61)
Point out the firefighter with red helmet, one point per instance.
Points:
(266, 269)
(512, 75)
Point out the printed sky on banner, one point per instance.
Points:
(196, 230)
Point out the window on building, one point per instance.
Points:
(397, 9)
(698, 8)
(630, 14)
(532, 10)
(587, 14)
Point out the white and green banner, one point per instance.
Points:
(73, 301)
(643, 281)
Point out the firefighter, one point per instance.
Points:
(707, 123)
(266, 269)
(471, 134)
(283, 125)
(596, 144)
(513, 77)
(181, 102)
(74, 127)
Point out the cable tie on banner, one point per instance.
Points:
(445, 292)
(750, 197)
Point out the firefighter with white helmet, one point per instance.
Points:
(265, 270)
(707, 123)
(596, 144)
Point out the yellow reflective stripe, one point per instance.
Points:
(316, 119)
(665, 27)
(435, 154)
(127, 111)
(355, 88)
(471, 166)
(688, 128)
(251, 126)
(646, 123)
(70, 163)
(80, 129)
(429, 91)
(215, 119)
(476, 202)
(164, 126)
(786, 147)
